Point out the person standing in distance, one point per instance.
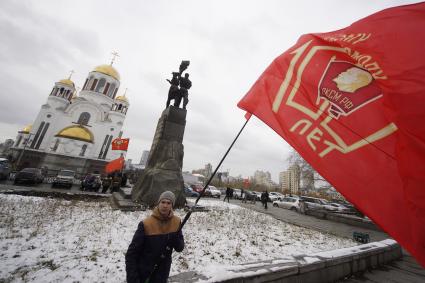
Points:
(152, 236)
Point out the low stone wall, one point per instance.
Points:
(319, 267)
(353, 221)
(343, 218)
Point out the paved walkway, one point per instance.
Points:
(307, 221)
(404, 270)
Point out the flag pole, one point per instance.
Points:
(212, 175)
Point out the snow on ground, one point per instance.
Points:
(53, 240)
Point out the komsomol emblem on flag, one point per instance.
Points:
(347, 87)
(120, 144)
(352, 103)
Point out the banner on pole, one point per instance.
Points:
(352, 103)
(120, 144)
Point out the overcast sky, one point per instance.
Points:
(229, 44)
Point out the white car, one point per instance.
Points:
(64, 178)
(288, 203)
(315, 203)
(214, 192)
(273, 197)
(340, 208)
(276, 194)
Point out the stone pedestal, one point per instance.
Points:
(163, 170)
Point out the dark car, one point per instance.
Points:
(29, 175)
(199, 188)
(4, 168)
(250, 196)
(189, 192)
(92, 182)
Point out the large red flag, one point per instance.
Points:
(120, 144)
(115, 165)
(352, 103)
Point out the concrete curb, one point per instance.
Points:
(346, 219)
(320, 267)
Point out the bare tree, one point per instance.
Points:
(308, 175)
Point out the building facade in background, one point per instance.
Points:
(75, 130)
(206, 171)
(261, 177)
(144, 159)
(289, 180)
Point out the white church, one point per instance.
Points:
(75, 130)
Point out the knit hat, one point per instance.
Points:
(167, 195)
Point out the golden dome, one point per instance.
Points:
(67, 82)
(27, 129)
(122, 98)
(107, 70)
(76, 132)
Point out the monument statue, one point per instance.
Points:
(175, 93)
(163, 171)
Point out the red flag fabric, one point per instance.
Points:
(352, 103)
(115, 165)
(120, 144)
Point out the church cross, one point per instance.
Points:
(114, 56)
(70, 74)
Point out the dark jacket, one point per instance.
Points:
(265, 197)
(148, 242)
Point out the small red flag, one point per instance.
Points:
(115, 165)
(352, 103)
(120, 144)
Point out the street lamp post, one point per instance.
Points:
(23, 150)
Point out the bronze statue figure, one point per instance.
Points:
(185, 84)
(175, 93)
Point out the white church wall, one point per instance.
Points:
(57, 102)
(97, 114)
(97, 95)
(72, 147)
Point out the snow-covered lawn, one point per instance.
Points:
(53, 240)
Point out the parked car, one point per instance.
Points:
(250, 196)
(314, 203)
(91, 182)
(258, 195)
(64, 178)
(236, 193)
(272, 198)
(222, 190)
(288, 203)
(340, 207)
(279, 196)
(4, 168)
(197, 188)
(189, 192)
(29, 175)
(213, 192)
(327, 206)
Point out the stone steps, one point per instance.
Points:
(122, 200)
